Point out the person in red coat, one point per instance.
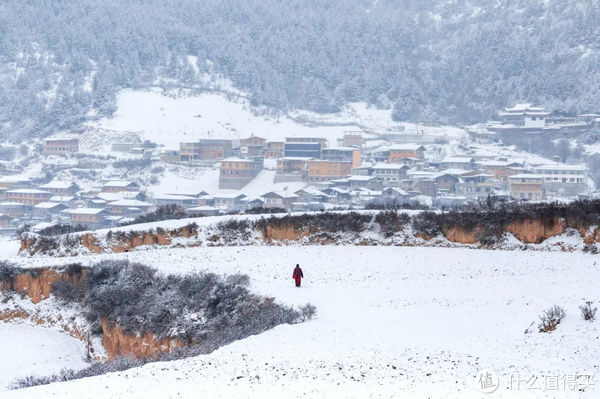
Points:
(297, 275)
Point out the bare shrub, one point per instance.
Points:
(390, 222)
(8, 272)
(587, 312)
(67, 292)
(308, 311)
(551, 318)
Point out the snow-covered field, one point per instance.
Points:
(392, 322)
(33, 350)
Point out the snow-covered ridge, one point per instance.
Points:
(406, 228)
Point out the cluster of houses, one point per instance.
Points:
(353, 174)
(528, 118)
(357, 172)
(22, 202)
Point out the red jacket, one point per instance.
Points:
(297, 273)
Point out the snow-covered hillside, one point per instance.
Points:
(392, 322)
(184, 117)
(33, 350)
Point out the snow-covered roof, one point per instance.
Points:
(295, 158)
(229, 195)
(237, 159)
(527, 176)
(48, 205)
(281, 194)
(84, 211)
(129, 203)
(397, 190)
(14, 179)
(175, 197)
(61, 198)
(457, 160)
(118, 196)
(204, 208)
(311, 191)
(28, 191)
(361, 178)
(582, 168)
(524, 107)
(453, 172)
(10, 203)
(118, 183)
(389, 166)
(406, 147)
(58, 185)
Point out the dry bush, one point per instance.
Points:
(551, 318)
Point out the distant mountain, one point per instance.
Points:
(62, 62)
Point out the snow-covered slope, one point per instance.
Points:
(392, 322)
(34, 350)
(169, 119)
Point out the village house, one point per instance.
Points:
(288, 165)
(68, 200)
(115, 196)
(458, 162)
(252, 145)
(352, 139)
(562, 173)
(337, 194)
(302, 139)
(524, 115)
(319, 170)
(205, 149)
(206, 200)
(14, 209)
(6, 221)
(60, 188)
(342, 154)
(183, 201)
(446, 182)
(527, 186)
(370, 182)
(116, 186)
(253, 202)
(12, 182)
(90, 217)
(477, 185)
(60, 146)
(28, 196)
(311, 194)
(235, 173)
(390, 174)
(48, 209)
(128, 207)
(394, 195)
(229, 201)
(302, 149)
(279, 199)
(363, 196)
(501, 169)
(203, 210)
(399, 152)
(291, 169)
(273, 149)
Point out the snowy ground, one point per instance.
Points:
(392, 322)
(33, 350)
